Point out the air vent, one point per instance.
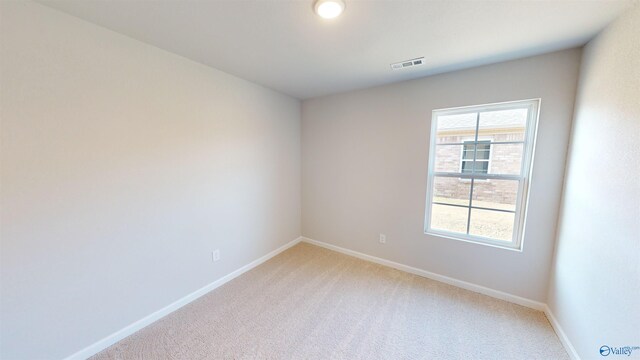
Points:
(407, 63)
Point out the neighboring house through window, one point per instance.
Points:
(479, 172)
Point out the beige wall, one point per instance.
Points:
(365, 166)
(123, 167)
(595, 287)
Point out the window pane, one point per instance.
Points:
(483, 147)
(492, 224)
(506, 159)
(450, 190)
(482, 167)
(468, 152)
(483, 150)
(447, 158)
(503, 125)
(449, 218)
(451, 128)
(495, 194)
(467, 167)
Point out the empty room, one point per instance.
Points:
(319, 179)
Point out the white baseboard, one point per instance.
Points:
(147, 320)
(445, 279)
(573, 354)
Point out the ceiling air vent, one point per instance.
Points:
(407, 63)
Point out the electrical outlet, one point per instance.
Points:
(215, 255)
(383, 239)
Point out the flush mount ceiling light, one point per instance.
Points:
(329, 9)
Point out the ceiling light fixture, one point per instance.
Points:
(329, 9)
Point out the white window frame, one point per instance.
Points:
(524, 178)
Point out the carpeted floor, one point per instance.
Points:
(313, 303)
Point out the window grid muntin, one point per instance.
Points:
(473, 179)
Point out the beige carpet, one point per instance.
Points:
(313, 303)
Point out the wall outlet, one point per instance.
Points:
(215, 255)
(383, 239)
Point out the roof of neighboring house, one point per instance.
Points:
(516, 118)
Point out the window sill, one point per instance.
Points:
(510, 246)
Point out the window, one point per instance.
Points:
(489, 148)
(482, 158)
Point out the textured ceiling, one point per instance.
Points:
(283, 45)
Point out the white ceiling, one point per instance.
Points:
(283, 45)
